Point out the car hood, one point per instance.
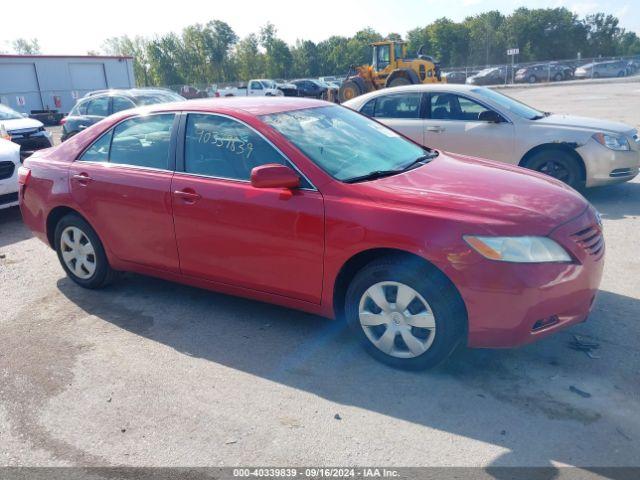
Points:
(497, 198)
(21, 124)
(594, 124)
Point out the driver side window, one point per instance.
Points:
(447, 106)
(222, 147)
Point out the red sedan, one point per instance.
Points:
(312, 206)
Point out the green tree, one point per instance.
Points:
(278, 58)
(24, 46)
(486, 38)
(132, 47)
(449, 42)
(603, 34)
(249, 61)
(306, 62)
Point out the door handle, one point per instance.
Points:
(82, 178)
(188, 196)
(436, 129)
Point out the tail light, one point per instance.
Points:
(24, 174)
(63, 120)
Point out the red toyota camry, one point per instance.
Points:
(312, 206)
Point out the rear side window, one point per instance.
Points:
(222, 147)
(98, 107)
(139, 141)
(369, 108)
(406, 105)
(143, 141)
(79, 109)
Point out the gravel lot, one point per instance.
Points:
(151, 373)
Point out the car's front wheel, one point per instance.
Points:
(406, 314)
(558, 164)
(81, 253)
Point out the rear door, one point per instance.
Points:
(122, 184)
(270, 240)
(454, 125)
(403, 111)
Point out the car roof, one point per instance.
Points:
(252, 105)
(423, 87)
(127, 92)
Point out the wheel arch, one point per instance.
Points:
(54, 216)
(403, 72)
(357, 261)
(567, 147)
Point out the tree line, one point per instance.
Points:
(209, 53)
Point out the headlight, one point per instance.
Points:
(614, 142)
(518, 249)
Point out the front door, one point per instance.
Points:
(271, 240)
(453, 124)
(122, 185)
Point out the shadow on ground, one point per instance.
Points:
(467, 396)
(616, 202)
(12, 230)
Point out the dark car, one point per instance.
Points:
(310, 88)
(95, 106)
(544, 72)
(458, 77)
(491, 76)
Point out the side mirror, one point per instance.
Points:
(274, 175)
(490, 116)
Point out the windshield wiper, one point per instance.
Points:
(421, 160)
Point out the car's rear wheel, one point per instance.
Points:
(558, 164)
(81, 253)
(558, 77)
(406, 315)
(533, 79)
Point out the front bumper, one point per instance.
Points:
(31, 143)
(605, 166)
(506, 302)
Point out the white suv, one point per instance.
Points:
(480, 122)
(9, 163)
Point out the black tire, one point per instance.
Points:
(446, 305)
(349, 89)
(558, 77)
(596, 75)
(558, 164)
(532, 79)
(621, 74)
(399, 82)
(103, 274)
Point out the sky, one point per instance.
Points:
(77, 26)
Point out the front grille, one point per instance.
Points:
(591, 240)
(8, 198)
(6, 170)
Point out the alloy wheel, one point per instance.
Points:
(397, 319)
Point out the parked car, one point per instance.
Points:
(260, 87)
(613, 68)
(456, 77)
(312, 206)
(95, 106)
(9, 163)
(190, 92)
(30, 134)
(288, 89)
(485, 123)
(491, 76)
(543, 72)
(310, 88)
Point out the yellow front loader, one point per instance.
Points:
(391, 67)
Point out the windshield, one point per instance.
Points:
(509, 103)
(269, 83)
(7, 114)
(344, 143)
